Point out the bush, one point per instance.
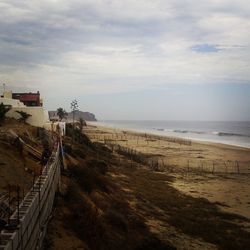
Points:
(88, 179)
(24, 116)
(116, 219)
(99, 166)
(102, 148)
(80, 153)
(137, 222)
(81, 123)
(74, 151)
(72, 193)
(67, 148)
(40, 132)
(84, 219)
(153, 243)
(77, 135)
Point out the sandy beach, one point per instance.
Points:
(216, 172)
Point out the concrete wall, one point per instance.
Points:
(39, 116)
(12, 102)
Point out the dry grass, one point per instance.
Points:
(95, 210)
(88, 179)
(110, 226)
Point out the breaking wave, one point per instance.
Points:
(189, 131)
(229, 134)
(206, 132)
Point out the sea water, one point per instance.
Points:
(226, 132)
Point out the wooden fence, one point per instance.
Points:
(191, 165)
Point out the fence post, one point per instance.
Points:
(225, 167)
(238, 167)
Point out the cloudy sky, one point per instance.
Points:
(157, 59)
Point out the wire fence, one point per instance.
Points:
(187, 165)
(218, 166)
(137, 138)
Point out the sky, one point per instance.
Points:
(142, 60)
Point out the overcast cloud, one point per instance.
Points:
(104, 47)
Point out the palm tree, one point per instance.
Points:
(61, 113)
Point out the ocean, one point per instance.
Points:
(227, 132)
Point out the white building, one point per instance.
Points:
(39, 116)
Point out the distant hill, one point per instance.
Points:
(87, 116)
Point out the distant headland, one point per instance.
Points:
(87, 116)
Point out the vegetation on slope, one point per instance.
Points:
(93, 208)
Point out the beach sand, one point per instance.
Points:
(217, 172)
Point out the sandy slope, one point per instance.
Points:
(16, 168)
